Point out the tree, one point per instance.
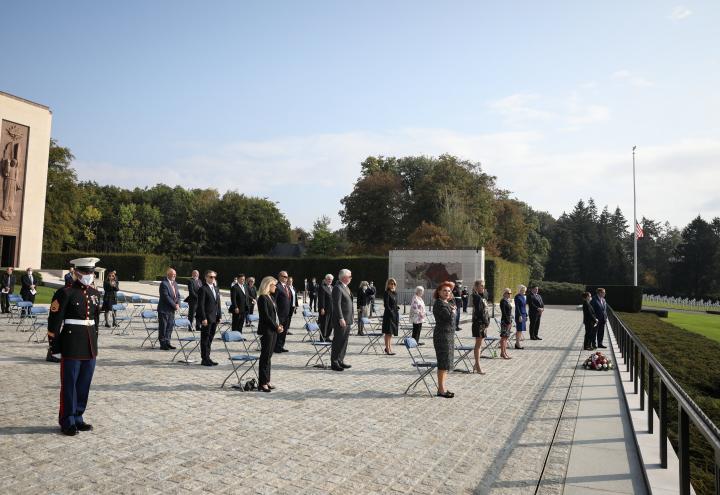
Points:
(60, 199)
(429, 236)
(511, 230)
(323, 242)
(696, 269)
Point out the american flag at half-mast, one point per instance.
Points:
(639, 231)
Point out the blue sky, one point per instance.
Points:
(285, 99)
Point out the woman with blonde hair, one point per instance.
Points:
(391, 315)
(268, 329)
(417, 313)
(480, 321)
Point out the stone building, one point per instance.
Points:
(24, 148)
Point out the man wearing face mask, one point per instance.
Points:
(169, 303)
(73, 333)
(27, 286)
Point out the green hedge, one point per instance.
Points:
(559, 292)
(368, 268)
(500, 274)
(128, 266)
(626, 298)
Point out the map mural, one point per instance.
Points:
(430, 275)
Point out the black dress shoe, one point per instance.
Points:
(346, 366)
(290, 333)
(602, 347)
(518, 347)
(164, 347)
(538, 338)
(284, 350)
(213, 363)
(171, 347)
(337, 368)
(206, 363)
(51, 359)
(84, 427)
(70, 431)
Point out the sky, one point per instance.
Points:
(285, 99)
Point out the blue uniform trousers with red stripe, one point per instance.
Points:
(75, 378)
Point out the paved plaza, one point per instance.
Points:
(164, 427)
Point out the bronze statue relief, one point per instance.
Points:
(14, 143)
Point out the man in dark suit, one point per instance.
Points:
(342, 320)
(7, 285)
(536, 310)
(294, 303)
(27, 289)
(324, 305)
(239, 303)
(169, 303)
(312, 289)
(283, 301)
(209, 315)
(69, 277)
(251, 297)
(193, 287)
(600, 307)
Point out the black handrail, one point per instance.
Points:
(637, 357)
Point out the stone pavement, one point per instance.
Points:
(169, 428)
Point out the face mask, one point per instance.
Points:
(87, 279)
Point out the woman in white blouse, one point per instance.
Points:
(417, 313)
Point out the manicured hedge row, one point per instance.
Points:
(627, 298)
(128, 266)
(559, 292)
(370, 268)
(500, 274)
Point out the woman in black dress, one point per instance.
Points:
(480, 321)
(506, 321)
(444, 335)
(391, 316)
(268, 328)
(111, 286)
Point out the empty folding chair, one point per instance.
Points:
(321, 347)
(187, 345)
(404, 329)
(37, 319)
(13, 300)
(150, 322)
(309, 316)
(184, 308)
(238, 359)
(372, 334)
(138, 305)
(153, 303)
(423, 366)
(122, 319)
(23, 309)
(120, 297)
(463, 354)
(251, 325)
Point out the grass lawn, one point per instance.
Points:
(704, 324)
(43, 296)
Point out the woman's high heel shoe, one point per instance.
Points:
(388, 352)
(476, 369)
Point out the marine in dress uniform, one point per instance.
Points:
(73, 333)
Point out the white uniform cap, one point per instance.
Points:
(85, 262)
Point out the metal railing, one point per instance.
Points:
(637, 358)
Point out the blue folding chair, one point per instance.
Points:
(463, 352)
(150, 322)
(122, 319)
(238, 360)
(185, 342)
(23, 308)
(251, 324)
(37, 321)
(373, 335)
(321, 347)
(422, 365)
(13, 299)
(120, 297)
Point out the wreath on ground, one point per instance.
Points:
(598, 361)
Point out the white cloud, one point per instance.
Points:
(571, 113)
(308, 175)
(627, 77)
(679, 13)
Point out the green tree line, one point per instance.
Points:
(408, 202)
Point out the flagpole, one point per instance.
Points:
(635, 237)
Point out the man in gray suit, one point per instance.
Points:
(342, 320)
